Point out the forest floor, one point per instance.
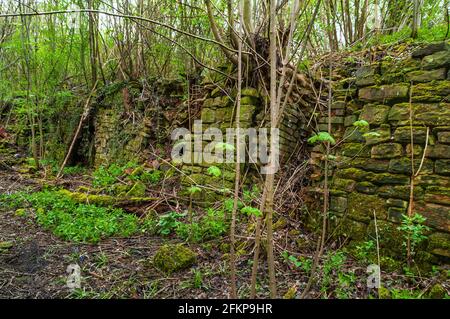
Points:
(35, 266)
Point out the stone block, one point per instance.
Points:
(387, 150)
(361, 207)
(403, 134)
(436, 60)
(383, 93)
(374, 114)
(421, 76)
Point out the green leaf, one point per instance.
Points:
(214, 171)
(194, 189)
(361, 123)
(321, 137)
(249, 210)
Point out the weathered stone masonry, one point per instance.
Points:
(373, 173)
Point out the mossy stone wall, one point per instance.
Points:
(373, 174)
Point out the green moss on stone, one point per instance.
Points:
(400, 191)
(170, 258)
(361, 207)
(366, 187)
(343, 184)
(420, 76)
(383, 132)
(384, 93)
(437, 60)
(403, 166)
(387, 150)
(138, 190)
(338, 204)
(403, 134)
(444, 137)
(355, 149)
(437, 292)
(374, 114)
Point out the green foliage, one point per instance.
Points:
(151, 177)
(364, 251)
(333, 264)
(210, 226)
(72, 221)
(321, 137)
(361, 123)
(214, 171)
(301, 262)
(425, 34)
(107, 177)
(168, 222)
(249, 210)
(413, 228)
(405, 294)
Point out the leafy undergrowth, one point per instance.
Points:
(70, 220)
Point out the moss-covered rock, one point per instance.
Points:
(437, 216)
(5, 246)
(438, 195)
(439, 244)
(171, 258)
(343, 184)
(436, 60)
(403, 134)
(389, 237)
(353, 135)
(403, 166)
(366, 187)
(394, 202)
(443, 137)
(355, 149)
(138, 190)
(361, 207)
(400, 191)
(430, 48)
(439, 151)
(349, 120)
(392, 92)
(384, 293)
(249, 91)
(387, 150)
(338, 204)
(430, 92)
(420, 76)
(437, 292)
(379, 135)
(442, 167)
(432, 180)
(373, 165)
(395, 214)
(351, 229)
(431, 114)
(354, 173)
(374, 114)
(208, 115)
(104, 200)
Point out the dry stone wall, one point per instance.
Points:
(372, 172)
